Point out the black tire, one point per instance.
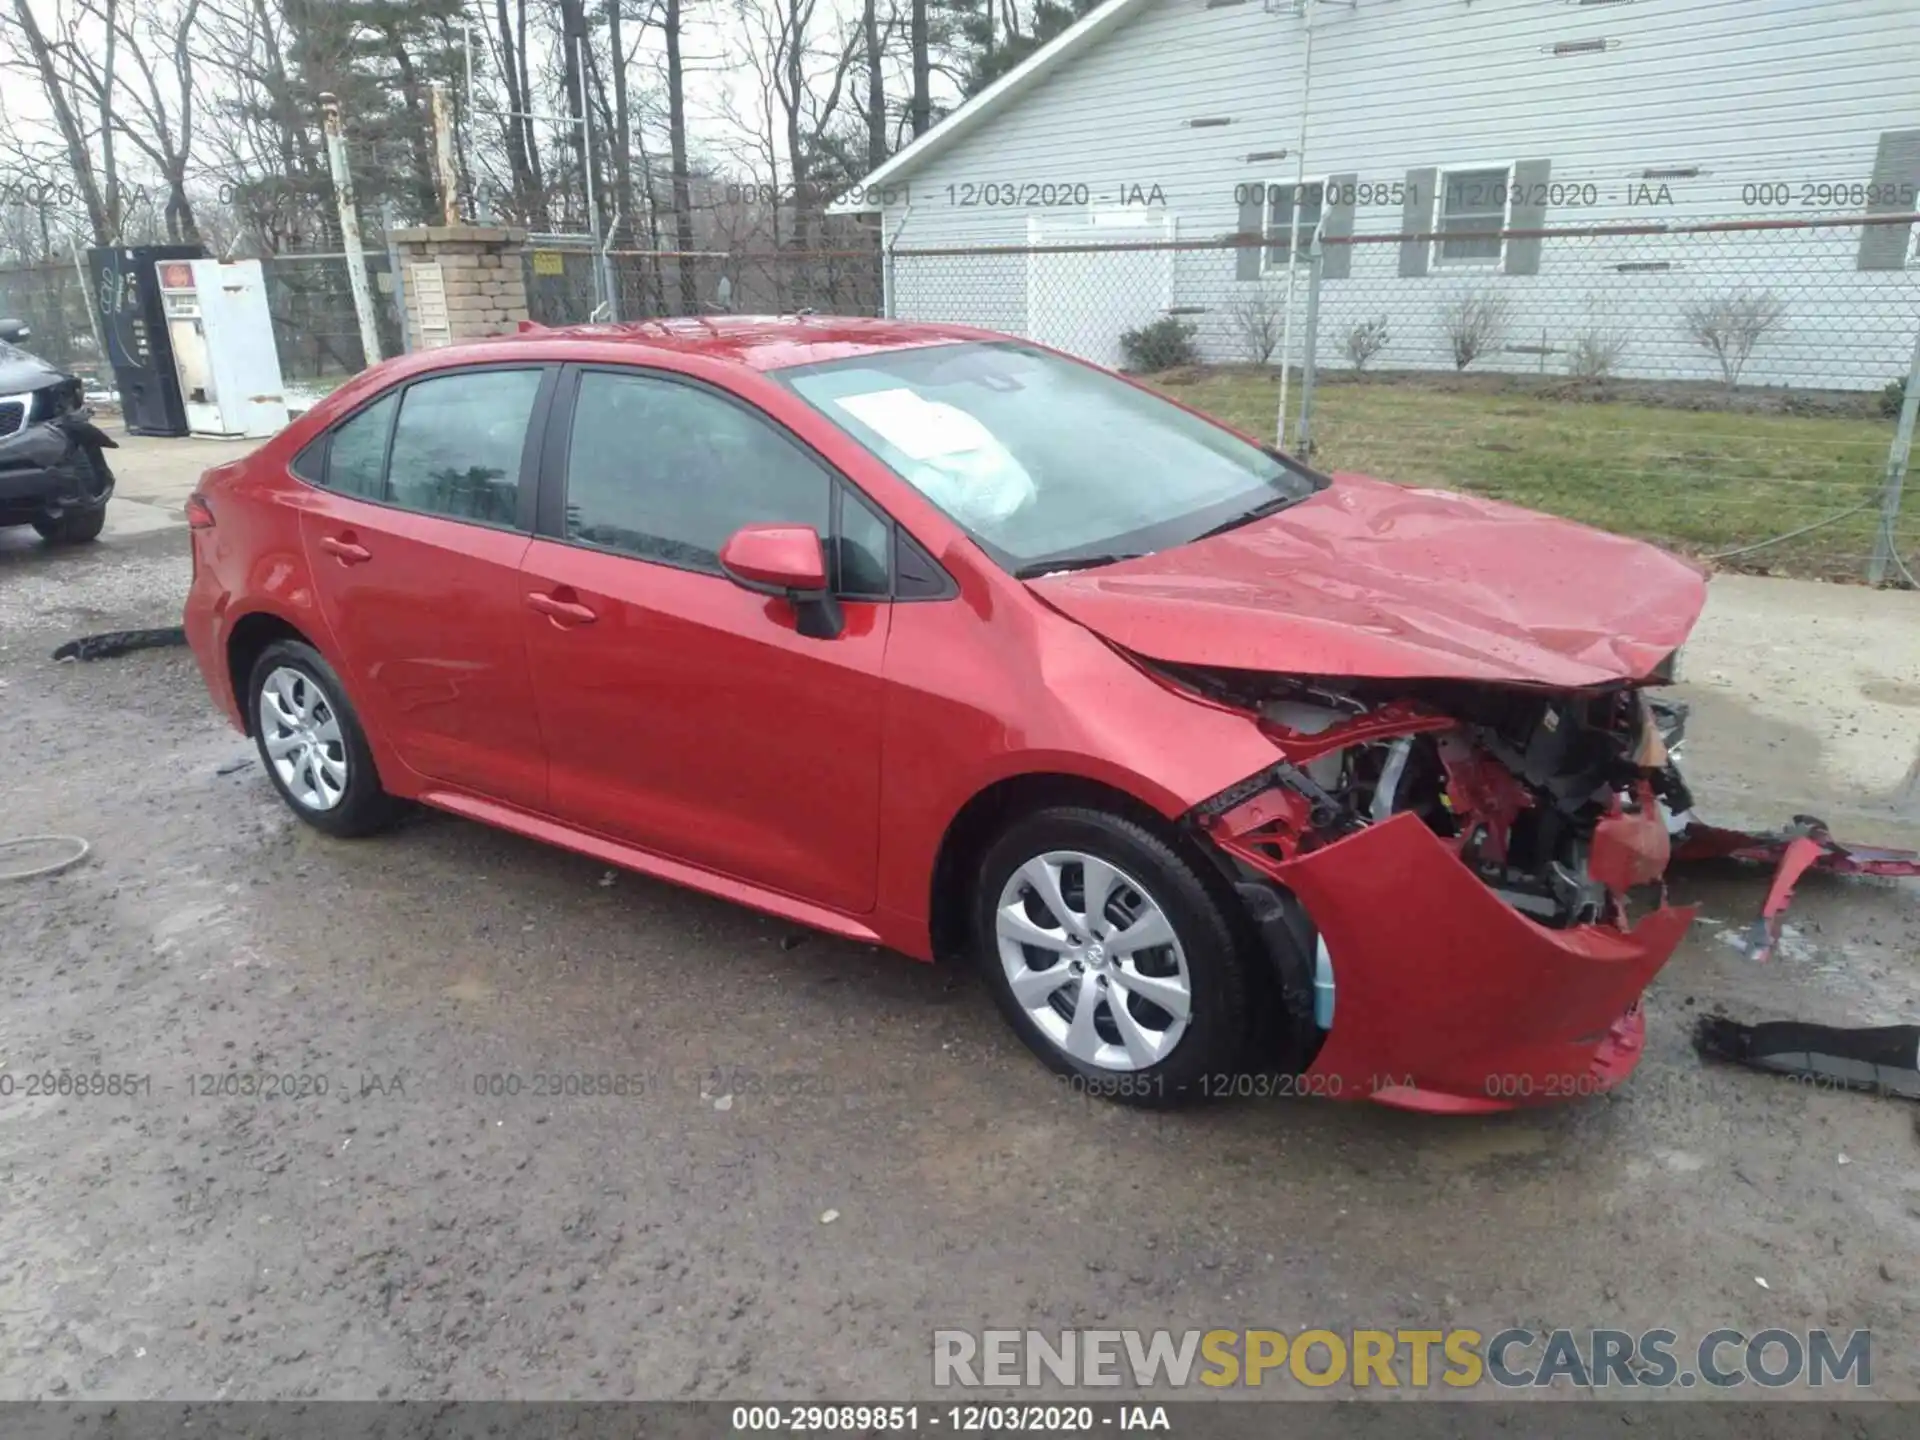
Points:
(1221, 1011)
(73, 526)
(362, 807)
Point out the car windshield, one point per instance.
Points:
(1048, 463)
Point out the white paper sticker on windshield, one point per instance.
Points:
(920, 428)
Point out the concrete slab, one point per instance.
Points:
(1806, 699)
(162, 472)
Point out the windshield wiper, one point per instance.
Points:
(1247, 517)
(1037, 568)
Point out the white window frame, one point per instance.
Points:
(1490, 262)
(1268, 265)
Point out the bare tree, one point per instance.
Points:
(50, 59)
(1731, 324)
(1365, 340)
(1475, 322)
(876, 86)
(158, 116)
(1256, 318)
(922, 106)
(670, 27)
(1596, 352)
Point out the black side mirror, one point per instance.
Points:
(12, 332)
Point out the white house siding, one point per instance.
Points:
(1745, 91)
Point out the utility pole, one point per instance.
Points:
(443, 156)
(1307, 8)
(350, 228)
(1884, 552)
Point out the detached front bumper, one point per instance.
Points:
(49, 468)
(1446, 998)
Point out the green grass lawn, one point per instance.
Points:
(1697, 481)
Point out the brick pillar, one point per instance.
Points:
(463, 282)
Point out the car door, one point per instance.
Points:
(682, 713)
(414, 536)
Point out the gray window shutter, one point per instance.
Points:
(1253, 221)
(1896, 183)
(1336, 222)
(1416, 217)
(1528, 211)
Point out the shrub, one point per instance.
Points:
(1474, 323)
(1163, 344)
(1257, 320)
(1730, 325)
(1596, 353)
(1893, 398)
(1366, 340)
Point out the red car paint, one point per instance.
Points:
(675, 723)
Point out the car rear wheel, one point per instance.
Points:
(1109, 956)
(312, 744)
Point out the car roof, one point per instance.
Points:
(758, 342)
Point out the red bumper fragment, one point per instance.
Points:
(1447, 998)
(1804, 845)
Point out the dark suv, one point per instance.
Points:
(53, 469)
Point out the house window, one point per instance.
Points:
(1471, 213)
(1281, 219)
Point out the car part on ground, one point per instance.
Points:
(1804, 845)
(54, 475)
(1883, 1060)
(120, 642)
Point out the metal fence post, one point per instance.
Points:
(393, 269)
(1310, 347)
(1897, 457)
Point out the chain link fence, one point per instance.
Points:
(1731, 389)
(309, 297)
(568, 282)
(51, 298)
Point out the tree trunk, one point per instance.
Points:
(541, 213)
(573, 29)
(922, 109)
(677, 157)
(101, 216)
(876, 89)
(622, 144)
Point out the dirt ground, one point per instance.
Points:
(408, 1234)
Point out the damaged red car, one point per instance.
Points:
(936, 639)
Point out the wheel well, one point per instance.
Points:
(251, 635)
(983, 818)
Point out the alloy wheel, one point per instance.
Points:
(1093, 960)
(300, 730)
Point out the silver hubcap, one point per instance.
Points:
(1093, 960)
(301, 732)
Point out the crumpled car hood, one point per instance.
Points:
(1372, 579)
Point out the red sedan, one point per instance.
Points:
(1217, 766)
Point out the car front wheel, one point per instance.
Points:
(312, 743)
(1110, 957)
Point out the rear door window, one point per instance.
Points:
(458, 443)
(357, 452)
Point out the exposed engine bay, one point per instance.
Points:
(1560, 803)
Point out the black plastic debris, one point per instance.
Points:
(1883, 1060)
(118, 642)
